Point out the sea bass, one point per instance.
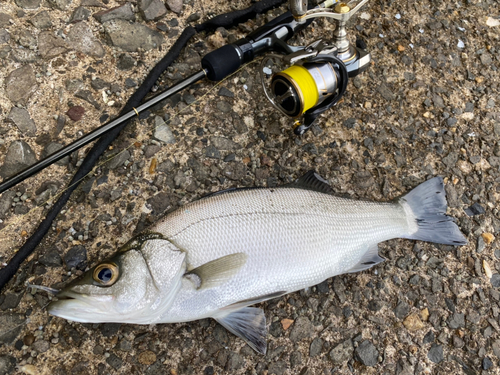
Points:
(219, 255)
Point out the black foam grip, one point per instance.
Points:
(221, 62)
(238, 16)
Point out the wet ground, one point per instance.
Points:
(427, 106)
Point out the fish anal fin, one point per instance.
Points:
(312, 181)
(248, 323)
(217, 271)
(368, 260)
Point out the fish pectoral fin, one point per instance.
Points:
(368, 260)
(253, 301)
(249, 323)
(217, 271)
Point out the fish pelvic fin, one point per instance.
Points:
(248, 323)
(425, 207)
(217, 271)
(368, 260)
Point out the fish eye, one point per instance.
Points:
(106, 274)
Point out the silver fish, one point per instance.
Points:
(217, 256)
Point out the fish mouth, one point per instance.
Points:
(79, 307)
(66, 295)
(69, 295)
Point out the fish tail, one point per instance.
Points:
(426, 212)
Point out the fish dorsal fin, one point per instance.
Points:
(312, 181)
(229, 190)
(249, 323)
(368, 260)
(217, 271)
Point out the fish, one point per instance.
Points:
(219, 255)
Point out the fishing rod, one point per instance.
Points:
(314, 81)
(297, 86)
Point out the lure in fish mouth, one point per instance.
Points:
(217, 256)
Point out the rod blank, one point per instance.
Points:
(86, 139)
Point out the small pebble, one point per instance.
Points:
(413, 322)
(492, 22)
(435, 353)
(286, 323)
(488, 238)
(475, 209)
(495, 280)
(367, 354)
(487, 364)
(28, 339)
(152, 166)
(424, 314)
(480, 244)
(76, 112)
(487, 269)
(147, 357)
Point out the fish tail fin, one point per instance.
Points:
(426, 211)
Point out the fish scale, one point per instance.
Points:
(263, 223)
(221, 254)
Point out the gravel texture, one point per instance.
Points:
(427, 106)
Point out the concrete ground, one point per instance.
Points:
(427, 106)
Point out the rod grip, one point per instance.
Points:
(221, 62)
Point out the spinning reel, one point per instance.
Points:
(316, 76)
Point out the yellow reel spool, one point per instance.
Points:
(304, 85)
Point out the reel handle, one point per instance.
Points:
(298, 7)
(341, 13)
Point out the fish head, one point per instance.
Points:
(126, 288)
